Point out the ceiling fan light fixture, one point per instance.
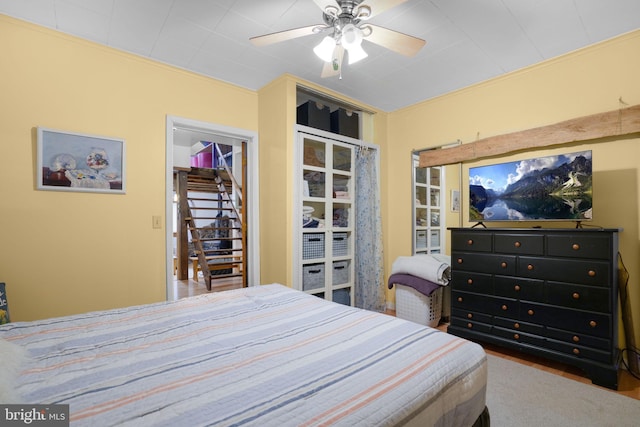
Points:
(356, 53)
(324, 49)
(351, 36)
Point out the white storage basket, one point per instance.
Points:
(417, 307)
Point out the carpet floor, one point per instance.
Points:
(519, 395)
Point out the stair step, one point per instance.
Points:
(214, 185)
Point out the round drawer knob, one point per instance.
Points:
(470, 282)
(503, 264)
(576, 351)
(516, 325)
(469, 325)
(516, 336)
(592, 273)
(593, 323)
(504, 307)
(469, 316)
(460, 299)
(516, 288)
(576, 295)
(517, 244)
(575, 246)
(470, 242)
(575, 338)
(530, 312)
(459, 260)
(530, 267)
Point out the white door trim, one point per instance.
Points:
(253, 214)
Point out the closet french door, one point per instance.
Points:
(428, 214)
(324, 213)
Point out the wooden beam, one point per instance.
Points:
(617, 123)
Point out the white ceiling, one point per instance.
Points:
(468, 41)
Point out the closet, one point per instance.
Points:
(324, 216)
(336, 243)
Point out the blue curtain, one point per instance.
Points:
(369, 272)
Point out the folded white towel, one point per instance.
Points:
(434, 268)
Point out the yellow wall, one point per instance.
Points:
(277, 101)
(584, 82)
(63, 252)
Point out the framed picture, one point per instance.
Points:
(455, 200)
(69, 161)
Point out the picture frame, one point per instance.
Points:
(455, 200)
(72, 161)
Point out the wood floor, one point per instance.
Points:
(627, 384)
(190, 288)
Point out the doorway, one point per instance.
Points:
(185, 135)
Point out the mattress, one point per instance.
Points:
(264, 356)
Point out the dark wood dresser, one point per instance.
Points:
(548, 292)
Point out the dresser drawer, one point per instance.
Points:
(578, 339)
(517, 287)
(507, 307)
(517, 336)
(594, 273)
(484, 263)
(470, 302)
(471, 315)
(519, 326)
(472, 282)
(469, 241)
(579, 245)
(583, 322)
(580, 351)
(471, 325)
(593, 298)
(528, 244)
(484, 304)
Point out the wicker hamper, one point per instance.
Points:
(417, 307)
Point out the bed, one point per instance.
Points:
(265, 355)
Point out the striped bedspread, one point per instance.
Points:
(264, 356)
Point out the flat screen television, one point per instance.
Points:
(549, 188)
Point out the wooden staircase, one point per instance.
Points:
(210, 212)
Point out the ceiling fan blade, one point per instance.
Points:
(322, 4)
(286, 35)
(393, 40)
(329, 70)
(379, 6)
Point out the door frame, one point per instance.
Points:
(252, 252)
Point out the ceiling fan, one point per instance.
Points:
(345, 26)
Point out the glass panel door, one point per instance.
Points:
(428, 215)
(326, 205)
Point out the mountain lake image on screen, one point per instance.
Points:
(549, 188)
